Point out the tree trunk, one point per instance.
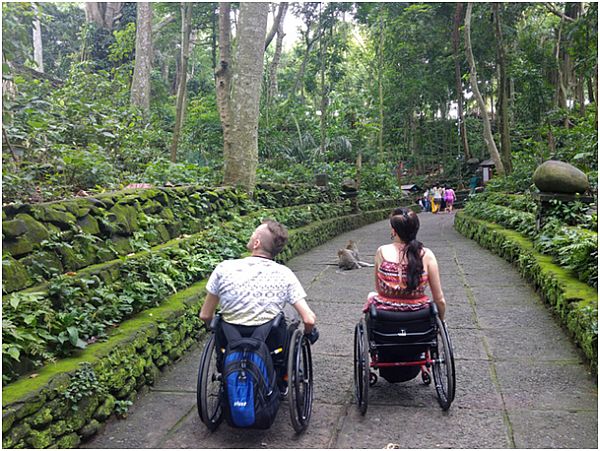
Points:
(223, 75)
(487, 129)
(272, 91)
(503, 113)
(186, 26)
(241, 143)
(324, 91)
(103, 14)
(277, 23)
(458, 80)
(380, 87)
(140, 85)
(38, 52)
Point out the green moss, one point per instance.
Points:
(14, 275)
(90, 429)
(13, 228)
(41, 417)
(44, 264)
(15, 435)
(18, 246)
(121, 244)
(39, 439)
(54, 213)
(78, 207)
(68, 441)
(125, 216)
(89, 224)
(105, 409)
(8, 418)
(36, 232)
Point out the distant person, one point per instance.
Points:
(473, 183)
(450, 197)
(404, 268)
(443, 197)
(426, 203)
(437, 200)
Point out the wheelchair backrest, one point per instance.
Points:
(394, 327)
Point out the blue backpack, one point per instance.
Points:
(251, 392)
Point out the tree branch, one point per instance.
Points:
(280, 12)
(556, 12)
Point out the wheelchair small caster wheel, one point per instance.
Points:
(426, 377)
(372, 379)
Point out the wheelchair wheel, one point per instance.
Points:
(443, 368)
(361, 366)
(300, 380)
(209, 389)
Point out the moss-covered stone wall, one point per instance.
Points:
(41, 241)
(64, 403)
(575, 303)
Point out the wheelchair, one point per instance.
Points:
(400, 345)
(296, 358)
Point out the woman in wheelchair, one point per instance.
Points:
(252, 293)
(403, 332)
(404, 268)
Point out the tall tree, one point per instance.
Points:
(487, 129)
(186, 27)
(38, 49)
(278, 26)
(140, 85)
(238, 91)
(503, 113)
(103, 14)
(458, 79)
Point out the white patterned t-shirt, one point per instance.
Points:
(253, 290)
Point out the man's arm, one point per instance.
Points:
(207, 312)
(307, 315)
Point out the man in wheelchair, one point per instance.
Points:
(253, 291)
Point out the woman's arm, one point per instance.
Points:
(435, 283)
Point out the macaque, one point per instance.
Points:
(348, 258)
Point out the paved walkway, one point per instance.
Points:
(520, 381)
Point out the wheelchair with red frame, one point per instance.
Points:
(292, 358)
(400, 346)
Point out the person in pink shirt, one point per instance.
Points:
(449, 197)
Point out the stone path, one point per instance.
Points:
(520, 381)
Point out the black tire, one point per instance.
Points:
(361, 366)
(209, 391)
(300, 380)
(443, 367)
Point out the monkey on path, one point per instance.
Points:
(348, 258)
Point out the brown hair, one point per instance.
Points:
(405, 223)
(275, 240)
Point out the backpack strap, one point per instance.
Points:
(260, 334)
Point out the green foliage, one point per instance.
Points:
(27, 319)
(574, 248)
(162, 171)
(84, 383)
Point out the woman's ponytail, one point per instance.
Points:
(414, 260)
(406, 224)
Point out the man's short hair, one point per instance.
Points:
(275, 240)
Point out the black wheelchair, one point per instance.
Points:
(400, 345)
(294, 356)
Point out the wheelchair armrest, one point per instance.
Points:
(215, 322)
